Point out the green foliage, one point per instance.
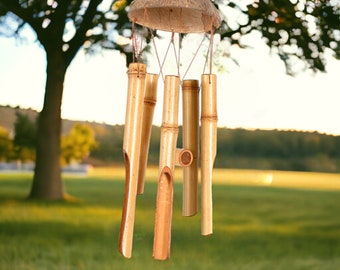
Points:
(274, 149)
(241, 148)
(25, 137)
(77, 144)
(297, 29)
(255, 228)
(110, 142)
(6, 145)
(67, 25)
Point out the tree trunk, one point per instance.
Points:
(47, 182)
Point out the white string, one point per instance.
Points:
(165, 56)
(175, 53)
(157, 55)
(195, 54)
(211, 51)
(206, 60)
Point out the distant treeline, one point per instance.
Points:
(240, 148)
(279, 150)
(236, 148)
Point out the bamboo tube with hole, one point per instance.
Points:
(169, 134)
(150, 99)
(190, 98)
(184, 157)
(131, 151)
(208, 149)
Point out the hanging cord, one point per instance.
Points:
(157, 55)
(206, 56)
(135, 49)
(137, 46)
(165, 56)
(134, 42)
(146, 18)
(195, 54)
(211, 51)
(141, 43)
(144, 31)
(175, 53)
(179, 53)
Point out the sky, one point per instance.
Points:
(255, 94)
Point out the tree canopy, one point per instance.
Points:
(6, 145)
(25, 137)
(297, 30)
(66, 25)
(77, 144)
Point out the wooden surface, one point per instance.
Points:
(208, 149)
(184, 157)
(189, 16)
(164, 201)
(162, 232)
(190, 98)
(150, 99)
(131, 151)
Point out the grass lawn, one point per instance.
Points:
(260, 222)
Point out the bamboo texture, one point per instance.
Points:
(190, 98)
(150, 99)
(164, 201)
(208, 149)
(131, 151)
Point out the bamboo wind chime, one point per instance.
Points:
(175, 16)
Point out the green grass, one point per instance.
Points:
(255, 227)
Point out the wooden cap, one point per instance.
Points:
(137, 68)
(189, 16)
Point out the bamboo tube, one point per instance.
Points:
(162, 233)
(190, 90)
(150, 99)
(131, 151)
(169, 134)
(208, 149)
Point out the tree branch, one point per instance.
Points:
(77, 41)
(23, 13)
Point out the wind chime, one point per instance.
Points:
(175, 16)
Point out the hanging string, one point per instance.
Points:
(179, 52)
(146, 18)
(144, 31)
(134, 43)
(206, 57)
(157, 55)
(137, 46)
(211, 51)
(165, 56)
(195, 54)
(175, 53)
(141, 43)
